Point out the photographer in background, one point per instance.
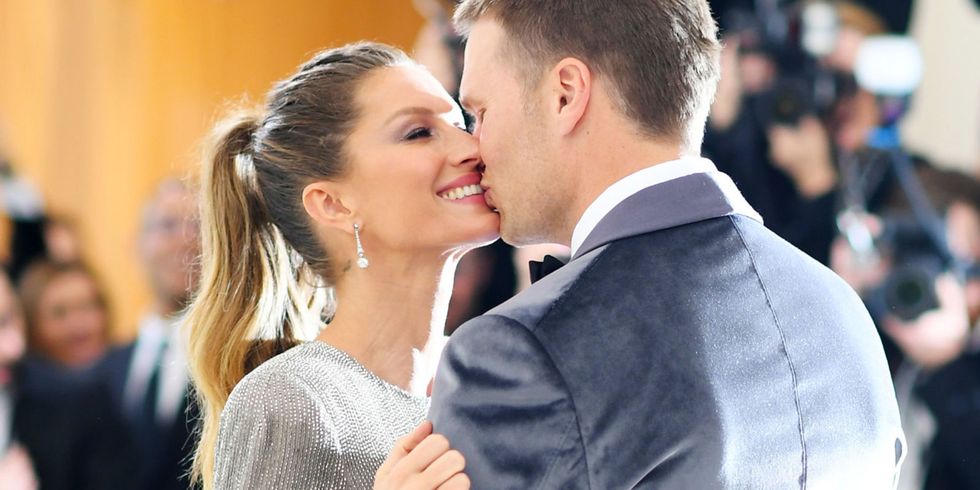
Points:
(933, 357)
(774, 177)
(788, 105)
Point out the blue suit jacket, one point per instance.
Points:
(684, 346)
(165, 453)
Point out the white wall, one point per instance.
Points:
(944, 122)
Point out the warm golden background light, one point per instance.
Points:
(102, 99)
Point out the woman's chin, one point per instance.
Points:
(489, 234)
(482, 241)
(483, 230)
(474, 242)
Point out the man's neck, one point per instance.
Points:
(604, 165)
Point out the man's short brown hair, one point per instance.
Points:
(661, 56)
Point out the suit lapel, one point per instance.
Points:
(677, 202)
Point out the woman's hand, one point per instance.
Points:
(422, 461)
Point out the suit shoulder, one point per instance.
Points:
(492, 332)
(492, 342)
(777, 260)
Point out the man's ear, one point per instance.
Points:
(325, 203)
(572, 82)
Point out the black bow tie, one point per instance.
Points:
(547, 266)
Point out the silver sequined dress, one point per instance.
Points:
(311, 418)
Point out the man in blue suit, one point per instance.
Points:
(149, 379)
(684, 345)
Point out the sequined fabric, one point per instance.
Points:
(311, 418)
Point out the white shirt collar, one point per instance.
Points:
(161, 341)
(6, 418)
(631, 184)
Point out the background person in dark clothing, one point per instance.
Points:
(62, 434)
(788, 110)
(148, 377)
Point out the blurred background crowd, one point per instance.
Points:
(852, 126)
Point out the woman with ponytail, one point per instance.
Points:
(332, 223)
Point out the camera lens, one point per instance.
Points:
(909, 292)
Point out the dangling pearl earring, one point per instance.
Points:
(362, 261)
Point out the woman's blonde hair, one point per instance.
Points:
(261, 260)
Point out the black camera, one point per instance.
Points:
(909, 289)
(793, 37)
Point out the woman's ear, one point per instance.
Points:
(327, 205)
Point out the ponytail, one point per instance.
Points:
(257, 294)
(254, 294)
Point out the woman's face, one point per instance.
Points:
(71, 322)
(414, 169)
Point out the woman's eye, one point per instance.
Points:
(419, 133)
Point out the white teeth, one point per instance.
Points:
(462, 192)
